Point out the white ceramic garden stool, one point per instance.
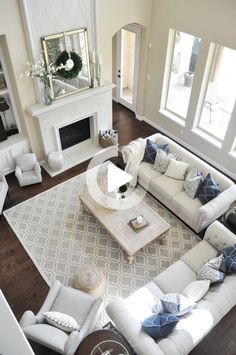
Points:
(55, 160)
(91, 280)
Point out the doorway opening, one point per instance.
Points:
(126, 52)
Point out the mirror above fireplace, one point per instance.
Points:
(71, 49)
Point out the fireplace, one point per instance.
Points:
(75, 133)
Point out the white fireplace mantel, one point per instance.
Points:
(95, 103)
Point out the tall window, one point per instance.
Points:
(184, 52)
(220, 95)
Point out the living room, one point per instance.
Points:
(164, 24)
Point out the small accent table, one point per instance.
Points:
(103, 342)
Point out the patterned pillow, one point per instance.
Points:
(151, 150)
(206, 272)
(177, 304)
(162, 161)
(192, 182)
(61, 321)
(209, 189)
(218, 263)
(229, 256)
(159, 325)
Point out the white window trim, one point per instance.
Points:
(202, 95)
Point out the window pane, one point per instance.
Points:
(220, 95)
(183, 66)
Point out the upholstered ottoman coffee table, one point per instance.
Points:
(91, 280)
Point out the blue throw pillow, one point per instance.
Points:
(209, 189)
(229, 255)
(151, 150)
(159, 325)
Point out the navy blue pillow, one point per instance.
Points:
(159, 325)
(151, 150)
(209, 189)
(229, 256)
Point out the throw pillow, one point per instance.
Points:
(61, 321)
(192, 182)
(151, 150)
(195, 290)
(176, 169)
(161, 162)
(177, 304)
(229, 256)
(218, 263)
(208, 190)
(206, 272)
(159, 325)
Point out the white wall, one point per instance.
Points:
(212, 21)
(112, 15)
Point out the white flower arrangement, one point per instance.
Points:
(40, 70)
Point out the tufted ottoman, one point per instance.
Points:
(91, 280)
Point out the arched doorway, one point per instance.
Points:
(126, 54)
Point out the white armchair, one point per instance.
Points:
(3, 191)
(28, 170)
(84, 308)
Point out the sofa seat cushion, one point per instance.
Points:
(166, 186)
(141, 302)
(199, 255)
(185, 206)
(175, 278)
(146, 174)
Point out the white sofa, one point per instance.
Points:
(192, 327)
(171, 192)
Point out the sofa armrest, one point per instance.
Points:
(131, 329)
(18, 172)
(219, 236)
(212, 210)
(27, 319)
(37, 168)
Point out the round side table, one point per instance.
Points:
(55, 160)
(105, 341)
(91, 280)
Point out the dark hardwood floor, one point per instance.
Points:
(20, 281)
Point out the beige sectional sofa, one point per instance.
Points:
(171, 192)
(192, 327)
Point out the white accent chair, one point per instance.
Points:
(3, 191)
(84, 308)
(28, 170)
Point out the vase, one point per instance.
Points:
(47, 95)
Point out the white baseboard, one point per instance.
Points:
(187, 146)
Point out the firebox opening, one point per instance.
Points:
(75, 133)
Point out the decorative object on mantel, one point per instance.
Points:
(108, 137)
(43, 72)
(55, 160)
(70, 60)
(3, 108)
(96, 70)
(71, 49)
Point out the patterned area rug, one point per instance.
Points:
(60, 236)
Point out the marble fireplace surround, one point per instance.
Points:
(95, 103)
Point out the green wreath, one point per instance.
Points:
(69, 74)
